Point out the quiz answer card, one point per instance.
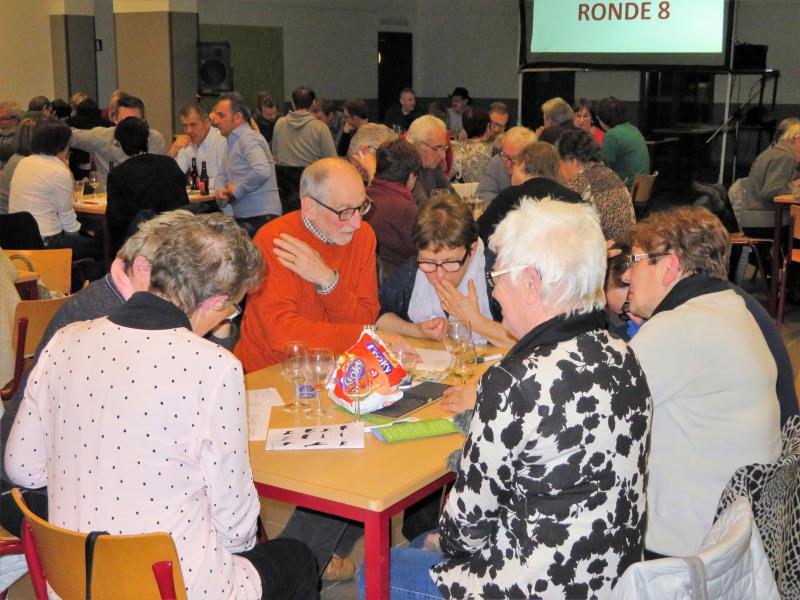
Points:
(433, 360)
(259, 407)
(323, 437)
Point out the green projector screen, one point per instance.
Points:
(613, 32)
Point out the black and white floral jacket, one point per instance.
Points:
(549, 500)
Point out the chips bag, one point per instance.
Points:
(385, 370)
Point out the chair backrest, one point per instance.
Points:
(795, 220)
(19, 230)
(774, 492)
(123, 566)
(465, 190)
(39, 313)
(53, 266)
(643, 187)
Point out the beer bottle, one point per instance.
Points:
(193, 178)
(204, 180)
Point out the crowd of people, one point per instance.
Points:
(636, 378)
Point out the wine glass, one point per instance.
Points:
(409, 359)
(457, 334)
(464, 363)
(94, 182)
(356, 383)
(294, 370)
(319, 364)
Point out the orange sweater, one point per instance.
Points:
(287, 307)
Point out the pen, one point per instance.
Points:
(483, 359)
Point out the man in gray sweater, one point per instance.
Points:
(300, 138)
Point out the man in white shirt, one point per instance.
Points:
(201, 142)
(100, 140)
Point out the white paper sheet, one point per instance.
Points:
(433, 360)
(259, 407)
(325, 437)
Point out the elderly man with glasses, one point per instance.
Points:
(321, 283)
(429, 136)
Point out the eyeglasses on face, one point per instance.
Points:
(508, 157)
(632, 259)
(347, 213)
(450, 266)
(439, 148)
(493, 275)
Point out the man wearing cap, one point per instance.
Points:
(459, 100)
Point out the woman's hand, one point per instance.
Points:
(458, 398)
(431, 328)
(456, 304)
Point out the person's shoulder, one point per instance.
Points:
(289, 223)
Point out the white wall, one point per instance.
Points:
(26, 60)
(107, 59)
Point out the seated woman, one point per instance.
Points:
(22, 148)
(549, 495)
(157, 439)
(584, 120)
(581, 166)
(709, 369)
(143, 186)
(446, 278)
(42, 186)
(471, 157)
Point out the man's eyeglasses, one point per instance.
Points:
(493, 275)
(632, 259)
(347, 213)
(450, 266)
(508, 157)
(439, 148)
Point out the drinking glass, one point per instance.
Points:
(457, 334)
(294, 370)
(409, 359)
(464, 363)
(319, 365)
(94, 182)
(77, 191)
(356, 383)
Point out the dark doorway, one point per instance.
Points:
(540, 86)
(395, 56)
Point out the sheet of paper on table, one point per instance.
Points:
(259, 406)
(433, 360)
(323, 437)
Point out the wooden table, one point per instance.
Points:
(26, 284)
(369, 485)
(780, 203)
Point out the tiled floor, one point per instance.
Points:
(275, 514)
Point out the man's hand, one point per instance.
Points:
(300, 258)
(432, 328)
(224, 196)
(181, 142)
(460, 397)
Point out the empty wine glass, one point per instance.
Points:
(319, 365)
(356, 383)
(94, 182)
(409, 359)
(457, 334)
(294, 371)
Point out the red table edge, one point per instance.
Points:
(376, 526)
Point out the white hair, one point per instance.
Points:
(422, 127)
(564, 243)
(520, 135)
(787, 130)
(370, 135)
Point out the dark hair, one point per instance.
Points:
(617, 265)
(128, 101)
(132, 134)
(611, 112)
(264, 98)
(238, 104)
(23, 136)
(187, 110)
(303, 97)
(540, 159)
(60, 109)
(407, 90)
(475, 121)
(324, 105)
(357, 107)
(50, 137)
(579, 144)
(87, 108)
(396, 160)
(444, 221)
(438, 110)
(38, 104)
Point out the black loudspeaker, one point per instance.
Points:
(749, 57)
(540, 86)
(214, 74)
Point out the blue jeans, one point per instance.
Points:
(409, 577)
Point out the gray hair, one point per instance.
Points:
(423, 126)
(370, 135)
(520, 135)
(203, 258)
(10, 106)
(499, 108)
(314, 180)
(151, 234)
(187, 110)
(564, 243)
(787, 129)
(558, 111)
(238, 103)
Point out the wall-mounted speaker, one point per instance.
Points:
(214, 74)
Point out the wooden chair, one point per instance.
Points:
(792, 255)
(641, 192)
(31, 318)
(9, 545)
(120, 567)
(54, 266)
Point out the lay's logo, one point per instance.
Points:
(384, 362)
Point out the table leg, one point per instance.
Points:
(776, 258)
(376, 555)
